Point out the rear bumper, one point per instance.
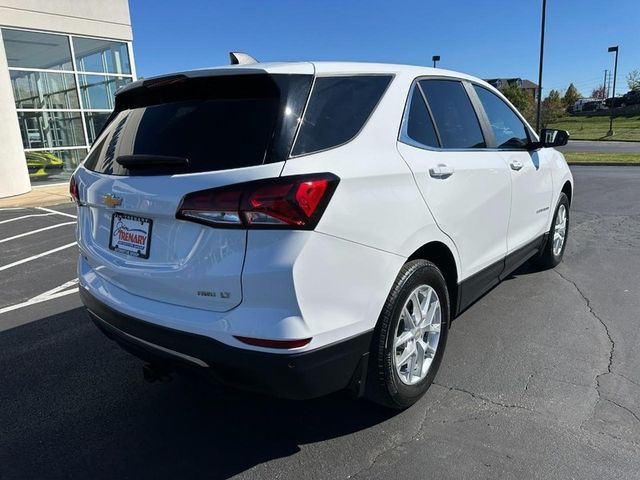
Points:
(287, 375)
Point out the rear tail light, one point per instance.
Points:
(73, 190)
(285, 202)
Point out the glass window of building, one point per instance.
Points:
(64, 88)
(94, 55)
(37, 50)
(51, 129)
(34, 90)
(98, 91)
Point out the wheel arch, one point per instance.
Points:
(439, 254)
(567, 189)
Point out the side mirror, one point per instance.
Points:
(550, 137)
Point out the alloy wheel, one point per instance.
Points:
(418, 334)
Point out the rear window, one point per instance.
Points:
(184, 125)
(337, 110)
(453, 114)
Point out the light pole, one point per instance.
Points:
(613, 96)
(544, 11)
(435, 58)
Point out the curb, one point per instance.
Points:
(40, 196)
(605, 164)
(602, 140)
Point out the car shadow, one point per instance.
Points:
(74, 405)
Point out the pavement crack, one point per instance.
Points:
(612, 343)
(397, 445)
(527, 385)
(624, 408)
(483, 398)
(627, 379)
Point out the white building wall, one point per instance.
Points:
(100, 18)
(14, 176)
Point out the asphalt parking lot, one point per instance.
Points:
(541, 378)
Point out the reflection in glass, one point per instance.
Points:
(95, 121)
(37, 50)
(44, 90)
(53, 165)
(50, 129)
(93, 55)
(97, 91)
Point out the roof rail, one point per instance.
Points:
(239, 58)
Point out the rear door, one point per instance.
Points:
(466, 186)
(169, 138)
(530, 172)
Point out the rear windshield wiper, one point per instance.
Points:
(145, 161)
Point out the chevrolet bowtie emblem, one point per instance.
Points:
(111, 201)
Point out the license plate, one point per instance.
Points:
(130, 235)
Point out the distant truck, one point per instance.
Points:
(580, 103)
(593, 106)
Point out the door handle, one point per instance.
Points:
(516, 165)
(441, 171)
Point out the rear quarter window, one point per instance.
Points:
(337, 110)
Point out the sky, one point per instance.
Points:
(484, 38)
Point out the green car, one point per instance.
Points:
(43, 164)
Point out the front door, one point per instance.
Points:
(466, 187)
(530, 172)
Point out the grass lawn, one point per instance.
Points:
(600, 157)
(596, 128)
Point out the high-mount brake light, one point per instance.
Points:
(285, 202)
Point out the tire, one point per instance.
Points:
(400, 387)
(551, 256)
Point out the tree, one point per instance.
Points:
(600, 93)
(633, 80)
(552, 108)
(571, 96)
(520, 99)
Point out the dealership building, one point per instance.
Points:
(61, 62)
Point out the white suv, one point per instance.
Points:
(302, 228)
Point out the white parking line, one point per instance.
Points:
(11, 209)
(56, 212)
(27, 216)
(35, 257)
(36, 231)
(57, 292)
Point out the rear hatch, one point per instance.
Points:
(167, 138)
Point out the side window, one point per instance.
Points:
(337, 110)
(419, 125)
(508, 129)
(453, 114)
